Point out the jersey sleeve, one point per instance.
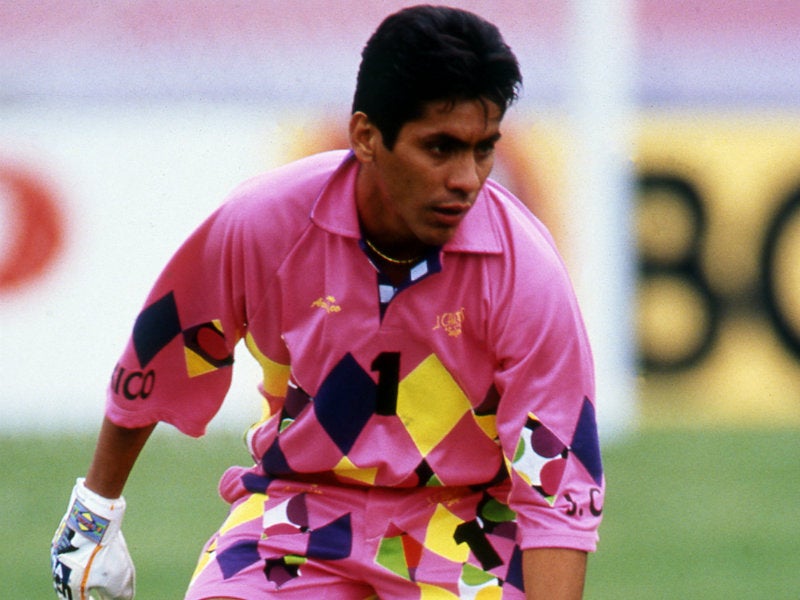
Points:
(177, 364)
(546, 417)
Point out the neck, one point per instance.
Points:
(376, 224)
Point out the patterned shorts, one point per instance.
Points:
(300, 541)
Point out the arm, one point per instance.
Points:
(553, 573)
(546, 421)
(115, 454)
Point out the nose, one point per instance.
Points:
(465, 176)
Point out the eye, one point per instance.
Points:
(440, 147)
(485, 149)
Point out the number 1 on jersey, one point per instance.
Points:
(387, 364)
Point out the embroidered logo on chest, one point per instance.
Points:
(328, 303)
(450, 322)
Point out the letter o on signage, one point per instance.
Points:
(35, 230)
(781, 272)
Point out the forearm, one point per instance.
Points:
(115, 454)
(554, 573)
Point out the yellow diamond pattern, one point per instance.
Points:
(433, 592)
(346, 469)
(276, 375)
(430, 404)
(250, 509)
(196, 365)
(439, 536)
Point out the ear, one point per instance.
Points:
(363, 137)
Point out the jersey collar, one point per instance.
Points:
(335, 212)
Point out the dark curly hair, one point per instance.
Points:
(428, 53)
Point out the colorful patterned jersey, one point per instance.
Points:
(475, 371)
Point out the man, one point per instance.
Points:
(429, 429)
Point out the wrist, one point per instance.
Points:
(94, 516)
(98, 500)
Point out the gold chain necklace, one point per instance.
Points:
(395, 261)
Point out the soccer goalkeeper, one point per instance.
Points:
(430, 421)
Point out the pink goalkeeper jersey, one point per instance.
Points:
(475, 372)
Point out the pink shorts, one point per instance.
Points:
(301, 540)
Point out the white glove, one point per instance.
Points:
(89, 557)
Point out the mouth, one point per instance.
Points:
(450, 215)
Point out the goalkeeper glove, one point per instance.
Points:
(89, 557)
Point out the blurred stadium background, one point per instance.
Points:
(658, 139)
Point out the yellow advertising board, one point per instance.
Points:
(718, 226)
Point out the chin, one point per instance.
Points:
(438, 240)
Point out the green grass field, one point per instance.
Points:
(689, 514)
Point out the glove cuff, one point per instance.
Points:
(93, 515)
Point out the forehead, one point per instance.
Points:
(463, 119)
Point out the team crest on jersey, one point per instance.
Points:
(328, 303)
(450, 322)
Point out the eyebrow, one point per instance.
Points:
(458, 142)
(494, 138)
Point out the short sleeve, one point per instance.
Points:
(177, 364)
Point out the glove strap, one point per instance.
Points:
(92, 515)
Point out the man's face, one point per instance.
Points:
(421, 189)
